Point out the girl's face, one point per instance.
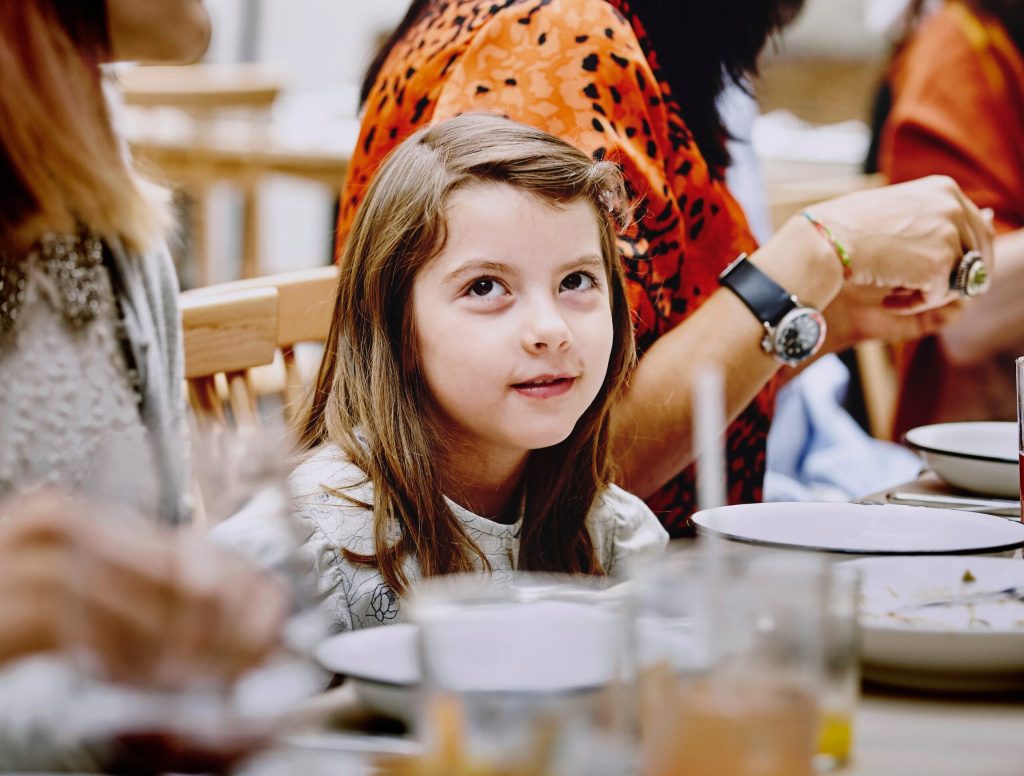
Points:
(513, 320)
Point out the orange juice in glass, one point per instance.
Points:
(730, 654)
(741, 726)
(840, 689)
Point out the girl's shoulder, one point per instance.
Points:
(623, 528)
(327, 476)
(333, 500)
(615, 506)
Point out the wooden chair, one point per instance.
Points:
(880, 385)
(294, 307)
(226, 336)
(201, 87)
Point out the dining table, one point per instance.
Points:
(895, 733)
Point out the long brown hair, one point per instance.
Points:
(60, 162)
(370, 381)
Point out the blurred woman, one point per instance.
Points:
(958, 110)
(90, 392)
(637, 83)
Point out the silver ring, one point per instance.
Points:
(971, 276)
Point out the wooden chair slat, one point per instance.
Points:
(243, 399)
(239, 312)
(229, 332)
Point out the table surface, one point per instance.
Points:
(919, 735)
(895, 734)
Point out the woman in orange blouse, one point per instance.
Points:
(636, 82)
(958, 110)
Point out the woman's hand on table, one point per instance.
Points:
(150, 606)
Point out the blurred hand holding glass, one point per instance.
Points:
(224, 637)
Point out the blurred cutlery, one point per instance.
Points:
(992, 506)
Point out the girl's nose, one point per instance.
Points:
(545, 328)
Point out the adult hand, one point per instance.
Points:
(905, 240)
(151, 606)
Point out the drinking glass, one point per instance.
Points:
(729, 663)
(841, 682)
(523, 678)
(1020, 426)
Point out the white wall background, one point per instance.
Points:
(835, 28)
(322, 48)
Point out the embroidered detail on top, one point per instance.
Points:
(74, 262)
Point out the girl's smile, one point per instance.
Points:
(546, 386)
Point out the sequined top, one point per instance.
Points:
(89, 373)
(71, 412)
(69, 402)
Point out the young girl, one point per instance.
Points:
(481, 331)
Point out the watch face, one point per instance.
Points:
(799, 335)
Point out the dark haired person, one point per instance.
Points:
(636, 83)
(958, 88)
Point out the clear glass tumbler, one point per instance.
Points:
(523, 678)
(730, 656)
(841, 681)
(1020, 426)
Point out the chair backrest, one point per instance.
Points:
(303, 306)
(226, 336)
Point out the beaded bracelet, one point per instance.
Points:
(824, 231)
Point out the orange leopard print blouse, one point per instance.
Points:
(583, 70)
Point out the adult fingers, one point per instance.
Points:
(977, 223)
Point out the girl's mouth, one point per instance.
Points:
(545, 387)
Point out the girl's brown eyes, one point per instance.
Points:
(579, 281)
(483, 287)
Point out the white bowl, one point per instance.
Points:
(979, 457)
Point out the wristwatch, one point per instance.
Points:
(792, 332)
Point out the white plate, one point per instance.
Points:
(862, 529)
(955, 646)
(980, 457)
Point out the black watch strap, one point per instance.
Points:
(766, 299)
